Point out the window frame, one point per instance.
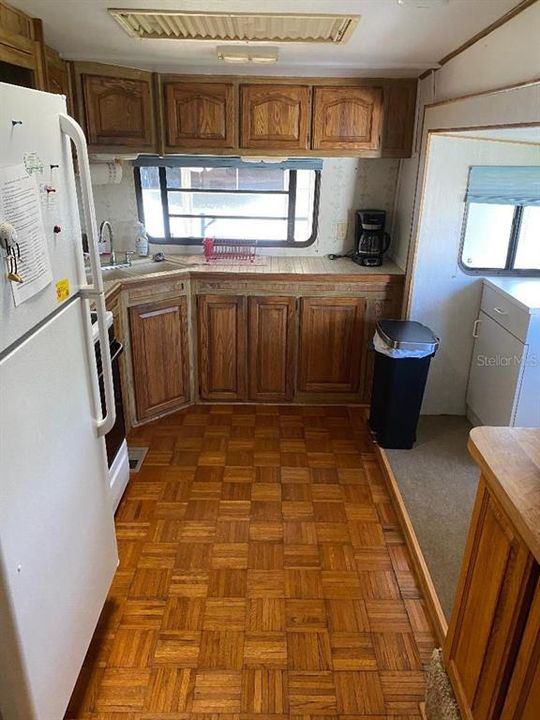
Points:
(196, 241)
(513, 242)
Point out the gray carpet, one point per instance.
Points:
(438, 481)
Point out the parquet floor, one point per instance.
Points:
(262, 576)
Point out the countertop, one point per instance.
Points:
(265, 267)
(510, 461)
(523, 292)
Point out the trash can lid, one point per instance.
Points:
(407, 335)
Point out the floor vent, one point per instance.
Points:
(235, 27)
(136, 457)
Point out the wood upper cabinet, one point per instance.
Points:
(275, 116)
(347, 118)
(398, 121)
(199, 115)
(159, 356)
(491, 599)
(22, 51)
(272, 348)
(117, 106)
(222, 347)
(57, 74)
(331, 337)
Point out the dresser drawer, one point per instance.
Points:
(499, 307)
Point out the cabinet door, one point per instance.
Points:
(118, 111)
(331, 336)
(272, 343)
(199, 115)
(485, 623)
(398, 122)
(347, 118)
(523, 697)
(159, 356)
(495, 373)
(57, 75)
(275, 116)
(222, 347)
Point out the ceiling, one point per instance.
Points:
(390, 40)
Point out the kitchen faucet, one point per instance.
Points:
(112, 263)
(107, 224)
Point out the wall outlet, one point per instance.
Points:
(341, 230)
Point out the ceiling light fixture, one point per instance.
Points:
(242, 56)
(422, 4)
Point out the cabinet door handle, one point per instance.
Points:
(475, 328)
(500, 311)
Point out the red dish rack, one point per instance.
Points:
(241, 250)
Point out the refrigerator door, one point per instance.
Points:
(57, 543)
(36, 141)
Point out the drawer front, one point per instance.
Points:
(506, 313)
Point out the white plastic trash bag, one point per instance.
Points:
(380, 346)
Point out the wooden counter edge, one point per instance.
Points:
(509, 459)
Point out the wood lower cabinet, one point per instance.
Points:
(330, 349)
(493, 597)
(117, 107)
(272, 348)
(222, 347)
(523, 696)
(199, 115)
(275, 116)
(160, 357)
(347, 118)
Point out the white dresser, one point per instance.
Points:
(504, 379)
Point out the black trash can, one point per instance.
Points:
(403, 351)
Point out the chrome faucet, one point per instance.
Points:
(107, 224)
(112, 263)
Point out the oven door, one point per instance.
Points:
(117, 434)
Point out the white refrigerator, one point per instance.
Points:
(57, 543)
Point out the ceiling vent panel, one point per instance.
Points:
(235, 27)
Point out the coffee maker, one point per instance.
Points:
(370, 239)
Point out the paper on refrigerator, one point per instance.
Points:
(20, 206)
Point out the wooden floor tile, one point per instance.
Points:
(312, 693)
(309, 651)
(221, 650)
(263, 576)
(303, 615)
(359, 693)
(268, 650)
(217, 691)
(265, 615)
(225, 614)
(170, 690)
(264, 691)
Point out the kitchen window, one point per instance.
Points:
(183, 200)
(501, 228)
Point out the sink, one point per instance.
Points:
(139, 269)
(150, 268)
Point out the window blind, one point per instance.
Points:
(228, 162)
(504, 185)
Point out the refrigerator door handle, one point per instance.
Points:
(95, 291)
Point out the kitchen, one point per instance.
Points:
(244, 381)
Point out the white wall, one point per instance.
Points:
(508, 56)
(347, 184)
(443, 296)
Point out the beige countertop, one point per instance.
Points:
(509, 459)
(281, 268)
